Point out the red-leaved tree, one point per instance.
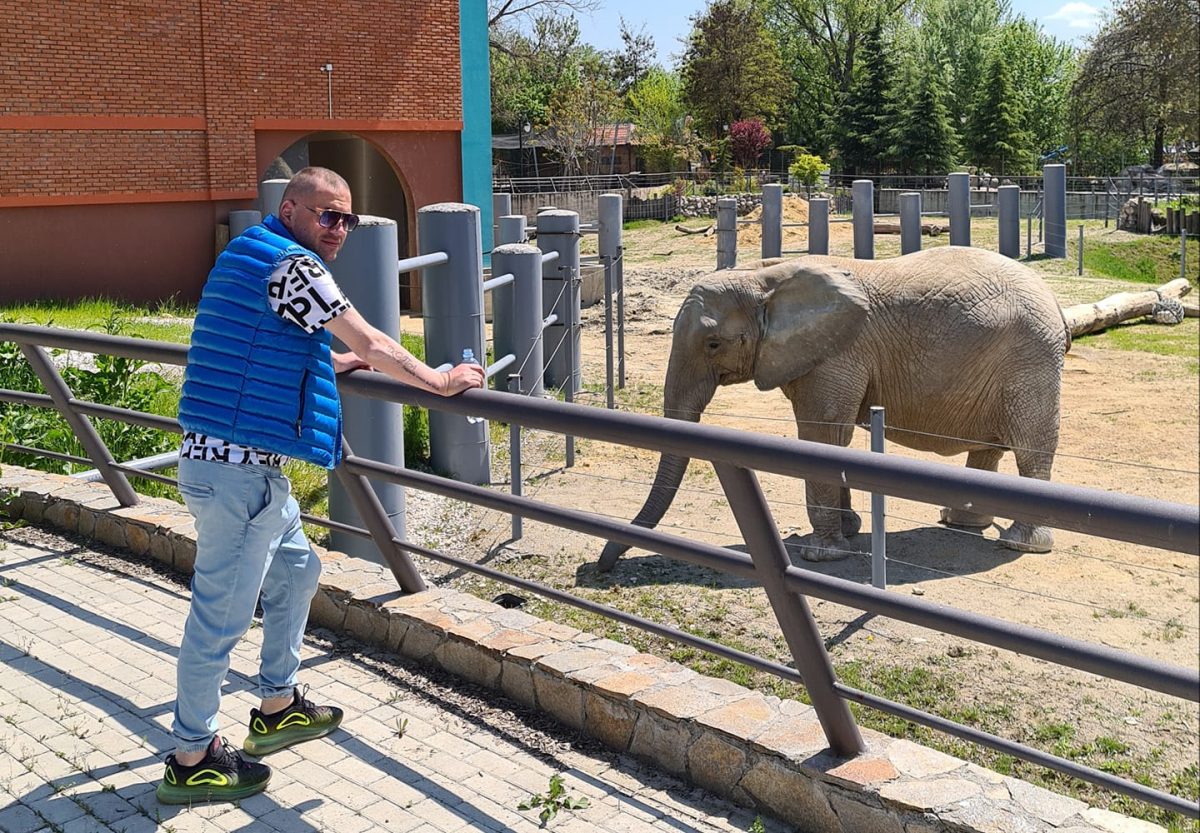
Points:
(747, 139)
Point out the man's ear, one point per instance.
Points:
(286, 209)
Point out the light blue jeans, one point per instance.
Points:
(248, 540)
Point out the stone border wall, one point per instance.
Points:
(756, 750)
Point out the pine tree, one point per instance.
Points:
(923, 138)
(862, 136)
(996, 140)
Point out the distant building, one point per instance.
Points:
(131, 130)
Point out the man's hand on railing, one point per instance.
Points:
(462, 377)
(345, 362)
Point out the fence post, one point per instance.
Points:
(1029, 235)
(523, 310)
(910, 222)
(1081, 250)
(772, 220)
(1055, 209)
(960, 209)
(366, 271)
(878, 509)
(270, 195)
(514, 450)
(863, 206)
(501, 207)
(818, 226)
(558, 231)
(726, 233)
(609, 246)
(754, 519)
(241, 220)
(510, 228)
(1183, 253)
(453, 320)
(1008, 198)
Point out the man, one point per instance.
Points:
(260, 388)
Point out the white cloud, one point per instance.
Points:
(1076, 16)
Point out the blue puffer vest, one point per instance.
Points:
(253, 378)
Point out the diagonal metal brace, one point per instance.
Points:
(791, 609)
(96, 450)
(367, 504)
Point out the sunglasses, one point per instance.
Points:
(328, 218)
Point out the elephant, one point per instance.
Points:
(964, 348)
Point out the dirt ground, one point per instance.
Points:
(1130, 423)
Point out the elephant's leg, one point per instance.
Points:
(1023, 536)
(986, 459)
(851, 521)
(828, 542)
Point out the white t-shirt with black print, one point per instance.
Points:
(303, 292)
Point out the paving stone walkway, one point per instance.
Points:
(87, 670)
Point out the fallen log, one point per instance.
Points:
(931, 229)
(686, 230)
(1083, 319)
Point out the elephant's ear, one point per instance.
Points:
(812, 313)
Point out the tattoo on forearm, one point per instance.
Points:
(410, 365)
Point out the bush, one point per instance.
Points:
(807, 169)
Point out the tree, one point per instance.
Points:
(862, 136)
(958, 34)
(1138, 79)
(748, 138)
(996, 139)
(1043, 70)
(509, 13)
(634, 61)
(923, 138)
(528, 68)
(582, 106)
(731, 68)
(806, 169)
(664, 128)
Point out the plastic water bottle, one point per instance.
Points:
(468, 357)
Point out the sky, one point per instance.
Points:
(668, 21)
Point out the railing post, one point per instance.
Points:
(501, 207)
(878, 509)
(366, 270)
(791, 609)
(910, 222)
(376, 519)
(558, 231)
(726, 233)
(97, 452)
(571, 343)
(863, 208)
(510, 228)
(609, 246)
(772, 220)
(241, 220)
(960, 209)
(818, 226)
(1008, 197)
(525, 263)
(453, 320)
(514, 457)
(270, 195)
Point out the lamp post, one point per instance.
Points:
(525, 128)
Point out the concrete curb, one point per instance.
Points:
(759, 751)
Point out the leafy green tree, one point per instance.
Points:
(731, 67)
(958, 35)
(663, 127)
(635, 59)
(996, 139)
(1137, 81)
(527, 69)
(583, 104)
(1043, 70)
(806, 169)
(923, 138)
(863, 133)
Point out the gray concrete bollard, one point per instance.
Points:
(1008, 199)
(1054, 209)
(270, 195)
(910, 222)
(610, 209)
(558, 231)
(365, 269)
(453, 320)
(521, 310)
(501, 207)
(510, 228)
(239, 221)
(726, 233)
(772, 221)
(960, 209)
(818, 226)
(863, 205)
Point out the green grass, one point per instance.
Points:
(1180, 340)
(1153, 260)
(94, 313)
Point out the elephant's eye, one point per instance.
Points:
(713, 344)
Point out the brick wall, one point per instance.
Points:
(136, 97)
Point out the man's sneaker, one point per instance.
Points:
(300, 721)
(223, 775)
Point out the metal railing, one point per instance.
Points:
(737, 456)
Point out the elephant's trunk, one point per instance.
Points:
(685, 398)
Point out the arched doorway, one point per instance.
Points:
(375, 187)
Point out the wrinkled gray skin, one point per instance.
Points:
(953, 341)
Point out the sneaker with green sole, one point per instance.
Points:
(222, 775)
(301, 721)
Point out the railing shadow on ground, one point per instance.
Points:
(737, 457)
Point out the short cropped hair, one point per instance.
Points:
(310, 179)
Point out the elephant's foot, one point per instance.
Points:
(1025, 537)
(825, 548)
(851, 523)
(961, 517)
